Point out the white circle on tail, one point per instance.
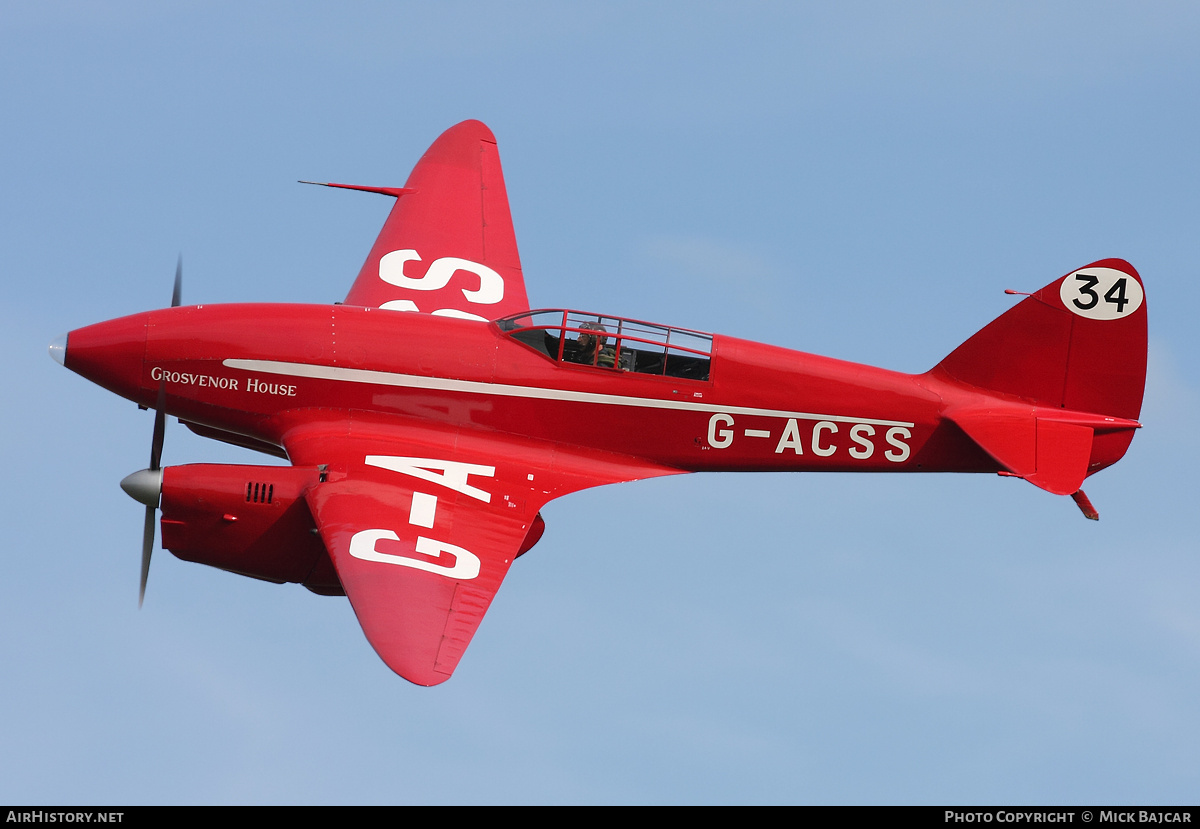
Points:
(1101, 293)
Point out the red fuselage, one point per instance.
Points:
(261, 370)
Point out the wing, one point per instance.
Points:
(422, 525)
(448, 245)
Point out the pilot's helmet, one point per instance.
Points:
(585, 340)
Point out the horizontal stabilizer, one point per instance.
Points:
(1063, 452)
(1049, 453)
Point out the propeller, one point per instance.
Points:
(145, 486)
(177, 291)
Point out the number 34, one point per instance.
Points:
(1101, 293)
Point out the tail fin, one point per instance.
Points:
(1076, 350)
(1079, 343)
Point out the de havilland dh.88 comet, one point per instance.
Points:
(431, 415)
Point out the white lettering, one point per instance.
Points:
(491, 284)
(720, 438)
(790, 439)
(409, 305)
(1164, 817)
(400, 305)
(895, 436)
(391, 271)
(969, 817)
(261, 387)
(823, 426)
(423, 509)
(859, 433)
(186, 379)
(453, 475)
(454, 312)
(466, 563)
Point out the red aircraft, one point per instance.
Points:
(430, 416)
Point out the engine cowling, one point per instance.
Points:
(250, 520)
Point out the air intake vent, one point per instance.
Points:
(259, 493)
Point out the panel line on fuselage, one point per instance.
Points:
(413, 381)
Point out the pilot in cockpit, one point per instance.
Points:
(593, 348)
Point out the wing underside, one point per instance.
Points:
(422, 525)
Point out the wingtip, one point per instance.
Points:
(481, 130)
(425, 680)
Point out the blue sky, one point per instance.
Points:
(860, 180)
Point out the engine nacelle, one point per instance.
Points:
(251, 520)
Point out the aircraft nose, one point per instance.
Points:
(110, 354)
(58, 349)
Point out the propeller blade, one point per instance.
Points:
(136, 485)
(160, 429)
(177, 292)
(147, 549)
(156, 445)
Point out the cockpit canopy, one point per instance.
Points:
(579, 338)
